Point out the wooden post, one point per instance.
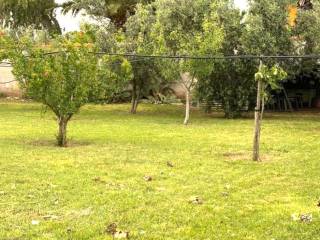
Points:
(257, 121)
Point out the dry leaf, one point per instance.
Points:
(99, 180)
(121, 235)
(294, 217)
(318, 204)
(306, 218)
(170, 164)
(35, 222)
(50, 217)
(112, 228)
(225, 194)
(196, 200)
(147, 178)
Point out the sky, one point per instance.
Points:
(70, 23)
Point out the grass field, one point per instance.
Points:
(75, 193)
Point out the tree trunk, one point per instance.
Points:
(135, 98)
(187, 117)
(257, 127)
(62, 133)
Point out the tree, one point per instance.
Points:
(113, 75)
(147, 75)
(116, 10)
(60, 81)
(307, 37)
(115, 72)
(37, 13)
(231, 82)
(5, 42)
(186, 27)
(265, 77)
(266, 33)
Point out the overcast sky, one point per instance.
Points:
(71, 23)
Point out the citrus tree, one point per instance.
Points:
(61, 81)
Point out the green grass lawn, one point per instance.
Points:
(76, 192)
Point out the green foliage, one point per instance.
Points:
(116, 10)
(147, 74)
(23, 13)
(271, 76)
(113, 76)
(61, 81)
(231, 82)
(266, 28)
(5, 44)
(186, 27)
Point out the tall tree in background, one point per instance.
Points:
(139, 41)
(116, 10)
(23, 13)
(231, 82)
(187, 27)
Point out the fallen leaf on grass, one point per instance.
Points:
(35, 222)
(121, 235)
(196, 200)
(225, 194)
(318, 204)
(116, 186)
(294, 217)
(112, 230)
(50, 217)
(99, 180)
(170, 164)
(147, 178)
(306, 218)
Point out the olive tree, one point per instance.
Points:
(146, 72)
(231, 82)
(61, 81)
(187, 27)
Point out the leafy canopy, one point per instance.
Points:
(23, 13)
(116, 10)
(61, 81)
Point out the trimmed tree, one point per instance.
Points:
(61, 81)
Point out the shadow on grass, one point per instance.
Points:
(53, 143)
